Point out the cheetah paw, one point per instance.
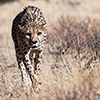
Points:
(37, 87)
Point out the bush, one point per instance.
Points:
(80, 37)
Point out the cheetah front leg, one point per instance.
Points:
(25, 77)
(33, 76)
(37, 62)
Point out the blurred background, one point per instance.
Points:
(70, 70)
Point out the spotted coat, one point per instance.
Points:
(29, 34)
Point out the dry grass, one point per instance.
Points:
(79, 37)
(67, 72)
(75, 44)
(70, 69)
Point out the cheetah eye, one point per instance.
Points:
(28, 34)
(39, 33)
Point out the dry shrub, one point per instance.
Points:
(75, 45)
(79, 37)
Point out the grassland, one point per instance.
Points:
(71, 62)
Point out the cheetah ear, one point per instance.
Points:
(23, 28)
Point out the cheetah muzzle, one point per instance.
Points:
(29, 35)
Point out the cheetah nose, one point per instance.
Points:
(34, 42)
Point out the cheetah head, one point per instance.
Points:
(35, 37)
(33, 24)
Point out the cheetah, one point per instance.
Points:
(29, 29)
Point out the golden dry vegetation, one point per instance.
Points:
(71, 62)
